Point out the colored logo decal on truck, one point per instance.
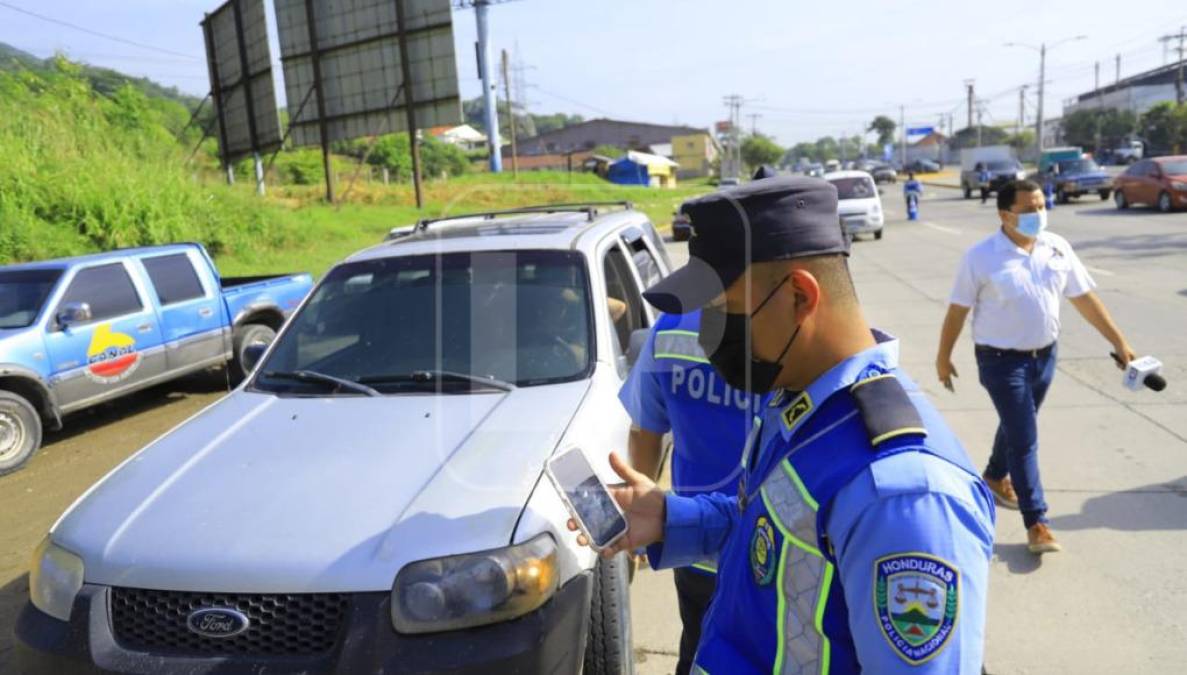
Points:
(112, 357)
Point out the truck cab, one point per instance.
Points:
(82, 331)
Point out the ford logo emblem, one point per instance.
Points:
(217, 622)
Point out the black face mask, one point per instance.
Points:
(731, 355)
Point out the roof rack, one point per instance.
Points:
(590, 209)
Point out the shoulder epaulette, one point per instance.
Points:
(886, 409)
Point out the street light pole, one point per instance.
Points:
(1042, 50)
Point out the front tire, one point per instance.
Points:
(1164, 202)
(1120, 200)
(878, 235)
(1104, 195)
(20, 431)
(245, 336)
(608, 649)
(968, 192)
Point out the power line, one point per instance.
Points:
(569, 100)
(95, 33)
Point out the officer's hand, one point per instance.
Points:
(643, 504)
(946, 371)
(1125, 353)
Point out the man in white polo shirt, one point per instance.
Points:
(1013, 282)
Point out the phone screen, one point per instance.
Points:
(586, 495)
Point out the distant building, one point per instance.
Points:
(695, 153)
(932, 146)
(589, 135)
(642, 168)
(464, 136)
(1053, 132)
(1137, 93)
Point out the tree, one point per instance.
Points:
(802, 150)
(1021, 142)
(884, 127)
(1080, 127)
(826, 149)
(611, 151)
(758, 149)
(1165, 127)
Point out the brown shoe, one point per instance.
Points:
(1003, 492)
(1040, 540)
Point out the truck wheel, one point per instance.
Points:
(1104, 195)
(608, 649)
(1120, 200)
(20, 432)
(245, 336)
(1062, 197)
(1164, 202)
(878, 234)
(968, 192)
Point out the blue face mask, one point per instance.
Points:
(1031, 224)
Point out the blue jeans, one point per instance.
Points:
(1017, 384)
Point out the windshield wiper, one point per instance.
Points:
(312, 376)
(432, 376)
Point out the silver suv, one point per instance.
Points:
(370, 499)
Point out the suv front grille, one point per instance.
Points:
(281, 624)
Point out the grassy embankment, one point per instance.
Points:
(83, 172)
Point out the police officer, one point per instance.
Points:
(860, 535)
(672, 387)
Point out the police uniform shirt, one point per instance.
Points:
(1015, 295)
(673, 388)
(902, 510)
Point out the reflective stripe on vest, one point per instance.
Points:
(679, 344)
(804, 575)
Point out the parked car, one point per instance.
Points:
(372, 498)
(681, 227)
(884, 173)
(859, 203)
(1128, 153)
(1078, 177)
(82, 331)
(1160, 182)
(923, 166)
(814, 170)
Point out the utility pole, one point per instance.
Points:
(902, 121)
(1118, 70)
(969, 85)
(510, 117)
(322, 123)
(1021, 111)
(979, 125)
(734, 103)
(481, 11)
(754, 123)
(1166, 39)
(1042, 87)
(1096, 87)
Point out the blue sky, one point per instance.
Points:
(809, 69)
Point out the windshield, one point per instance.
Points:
(1004, 166)
(1177, 168)
(1078, 166)
(520, 317)
(858, 187)
(22, 293)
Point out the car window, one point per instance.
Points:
(107, 289)
(174, 278)
(621, 288)
(858, 187)
(518, 316)
(645, 263)
(22, 293)
(1175, 168)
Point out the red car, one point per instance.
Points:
(1160, 182)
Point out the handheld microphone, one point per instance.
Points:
(1141, 372)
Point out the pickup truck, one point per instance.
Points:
(81, 331)
(1079, 177)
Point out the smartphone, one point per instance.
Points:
(587, 498)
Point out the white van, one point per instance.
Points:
(859, 203)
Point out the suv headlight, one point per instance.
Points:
(55, 577)
(474, 589)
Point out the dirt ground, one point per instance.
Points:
(92, 443)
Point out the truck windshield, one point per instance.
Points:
(1004, 166)
(854, 188)
(397, 324)
(1078, 166)
(22, 293)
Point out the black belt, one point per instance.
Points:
(997, 351)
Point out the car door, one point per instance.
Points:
(192, 326)
(116, 349)
(1144, 191)
(622, 287)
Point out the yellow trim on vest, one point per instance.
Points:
(682, 357)
(787, 534)
(855, 385)
(826, 644)
(799, 484)
(676, 331)
(781, 622)
(897, 432)
(706, 567)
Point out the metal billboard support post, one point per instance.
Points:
(510, 118)
(323, 133)
(409, 103)
(216, 94)
(245, 77)
(481, 8)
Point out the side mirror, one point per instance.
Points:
(638, 340)
(252, 354)
(73, 313)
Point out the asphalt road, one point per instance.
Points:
(1114, 462)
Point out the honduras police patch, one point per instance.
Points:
(916, 597)
(762, 552)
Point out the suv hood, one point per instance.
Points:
(260, 493)
(851, 207)
(1081, 175)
